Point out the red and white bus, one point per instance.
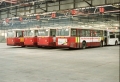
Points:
(15, 37)
(46, 37)
(112, 37)
(30, 37)
(78, 37)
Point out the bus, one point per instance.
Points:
(30, 37)
(111, 37)
(15, 37)
(46, 37)
(71, 37)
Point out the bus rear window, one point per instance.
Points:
(62, 32)
(43, 32)
(28, 33)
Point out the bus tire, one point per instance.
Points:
(22, 46)
(116, 43)
(83, 45)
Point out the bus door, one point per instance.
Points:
(91, 41)
(105, 37)
(53, 34)
(78, 37)
(19, 34)
(92, 38)
(73, 38)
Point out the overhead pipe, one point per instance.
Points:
(20, 4)
(11, 1)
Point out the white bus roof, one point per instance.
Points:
(16, 29)
(79, 28)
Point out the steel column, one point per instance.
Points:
(105, 1)
(74, 6)
(8, 11)
(46, 7)
(24, 10)
(59, 5)
(16, 11)
(35, 8)
(0, 14)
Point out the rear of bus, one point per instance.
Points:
(63, 39)
(46, 37)
(15, 38)
(67, 38)
(30, 38)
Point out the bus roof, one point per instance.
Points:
(80, 28)
(16, 29)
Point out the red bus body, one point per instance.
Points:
(14, 42)
(16, 39)
(30, 38)
(46, 41)
(79, 41)
(30, 41)
(71, 42)
(66, 42)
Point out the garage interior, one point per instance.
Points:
(33, 64)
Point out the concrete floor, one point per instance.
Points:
(55, 65)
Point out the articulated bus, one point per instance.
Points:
(78, 37)
(15, 37)
(30, 37)
(111, 37)
(46, 37)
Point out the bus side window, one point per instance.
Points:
(101, 33)
(97, 33)
(87, 33)
(73, 32)
(93, 33)
(83, 34)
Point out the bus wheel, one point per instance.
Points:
(22, 46)
(116, 43)
(83, 45)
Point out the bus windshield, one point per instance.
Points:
(63, 32)
(31, 33)
(43, 32)
(10, 34)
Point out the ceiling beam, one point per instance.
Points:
(88, 3)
